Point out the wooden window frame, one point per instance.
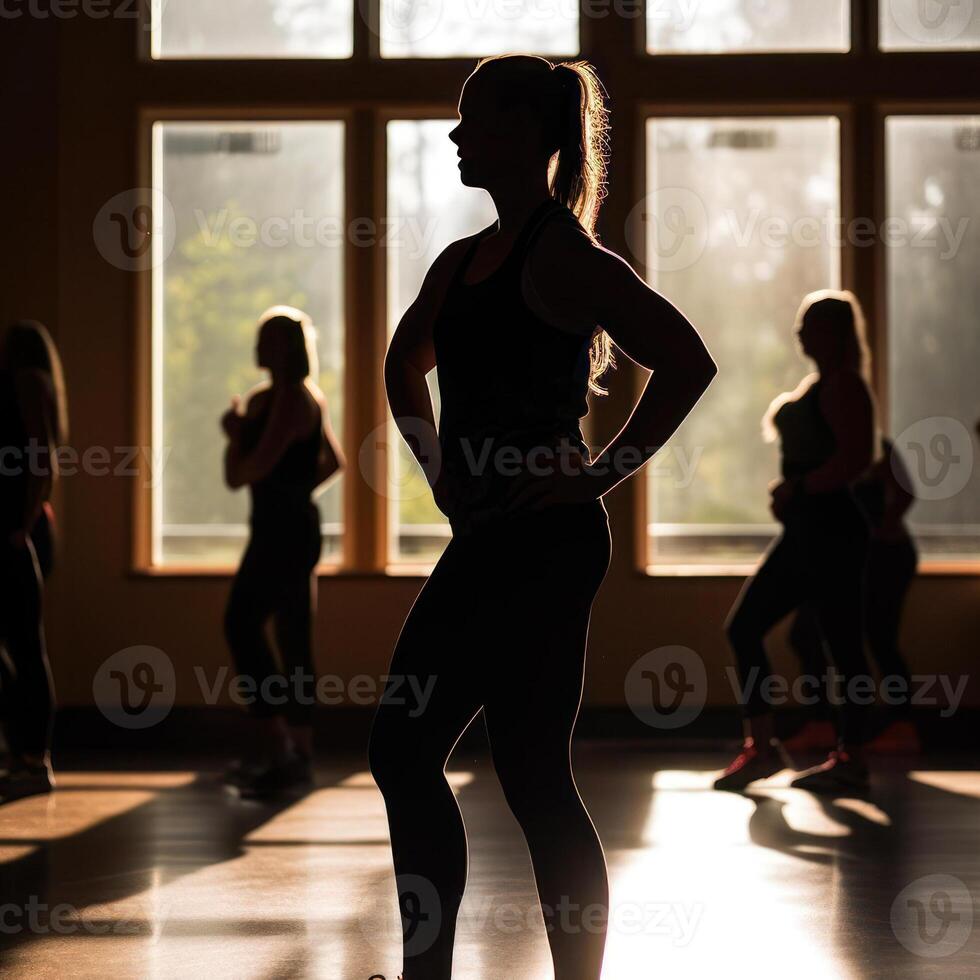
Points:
(366, 91)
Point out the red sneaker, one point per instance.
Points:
(748, 766)
(841, 773)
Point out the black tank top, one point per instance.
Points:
(806, 439)
(509, 382)
(293, 479)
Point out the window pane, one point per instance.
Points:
(911, 25)
(739, 224)
(429, 208)
(731, 26)
(436, 29)
(933, 166)
(253, 28)
(257, 220)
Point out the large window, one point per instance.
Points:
(911, 25)
(761, 149)
(934, 302)
(437, 29)
(732, 26)
(258, 220)
(741, 222)
(252, 28)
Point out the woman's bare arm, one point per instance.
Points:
(287, 415)
(330, 459)
(411, 356)
(577, 274)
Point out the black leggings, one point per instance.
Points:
(818, 562)
(26, 685)
(890, 572)
(276, 580)
(501, 625)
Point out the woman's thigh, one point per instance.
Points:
(434, 686)
(536, 618)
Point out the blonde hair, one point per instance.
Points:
(838, 310)
(568, 102)
(295, 338)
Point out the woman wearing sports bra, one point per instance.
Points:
(283, 448)
(826, 431)
(519, 321)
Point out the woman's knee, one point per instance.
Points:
(741, 629)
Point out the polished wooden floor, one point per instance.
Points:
(159, 873)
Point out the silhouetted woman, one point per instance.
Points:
(283, 448)
(33, 422)
(511, 317)
(884, 493)
(826, 430)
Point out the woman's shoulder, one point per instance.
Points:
(562, 258)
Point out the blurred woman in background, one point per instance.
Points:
(282, 447)
(33, 423)
(885, 494)
(826, 429)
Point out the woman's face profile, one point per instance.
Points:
(817, 337)
(494, 145)
(264, 345)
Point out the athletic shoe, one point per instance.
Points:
(279, 779)
(899, 738)
(841, 773)
(749, 765)
(814, 736)
(26, 780)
